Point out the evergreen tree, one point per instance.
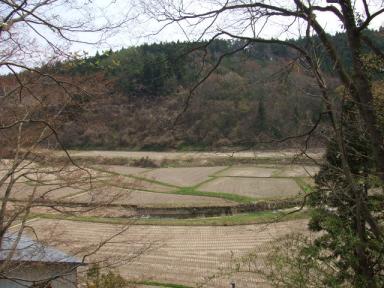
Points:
(261, 121)
(348, 239)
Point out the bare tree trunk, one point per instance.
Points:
(362, 88)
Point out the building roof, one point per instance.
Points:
(28, 250)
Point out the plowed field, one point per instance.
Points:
(184, 255)
(182, 176)
(259, 188)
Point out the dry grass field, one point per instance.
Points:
(177, 254)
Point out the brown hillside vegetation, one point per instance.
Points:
(135, 98)
(245, 102)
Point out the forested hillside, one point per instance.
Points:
(137, 96)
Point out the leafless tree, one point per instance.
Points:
(34, 35)
(269, 21)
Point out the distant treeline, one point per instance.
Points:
(257, 96)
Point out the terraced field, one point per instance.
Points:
(257, 188)
(123, 170)
(177, 254)
(182, 176)
(21, 191)
(252, 182)
(121, 196)
(167, 187)
(168, 240)
(249, 171)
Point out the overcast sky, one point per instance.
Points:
(141, 29)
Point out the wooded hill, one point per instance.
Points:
(137, 96)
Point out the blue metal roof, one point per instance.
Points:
(28, 250)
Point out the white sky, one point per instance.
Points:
(142, 30)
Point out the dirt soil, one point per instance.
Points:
(116, 195)
(123, 170)
(182, 176)
(259, 188)
(22, 191)
(298, 171)
(183, 255)
(248, 171)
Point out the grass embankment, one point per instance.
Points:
(239, 219)
(185, 162)
(227, 196)
(192, 191)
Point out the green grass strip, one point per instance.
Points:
(160, 284)
(231, 220)
(227, 196)
(153, 181)
(307, 188)
(193, 190)
(136, 177)
(189, 190)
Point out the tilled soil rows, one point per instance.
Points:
(171, 254)
(259, 188)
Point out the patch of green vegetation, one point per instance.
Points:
(227, 196)
(278, 172)
(136, 177)
(153, 181)
(258, 177)
(160, 284)
(210, 178)
(191, 190)
(194, 191)
(231, 220)
(307, 188)
(216, 174)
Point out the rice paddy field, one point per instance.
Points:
(189, 256)
(169, 186)
(161, 251)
